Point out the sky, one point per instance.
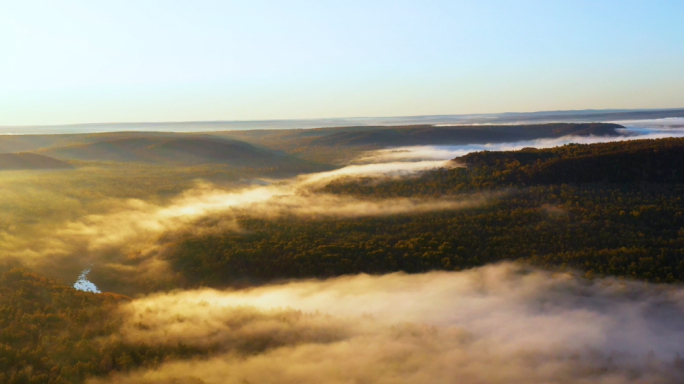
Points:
(84, 61)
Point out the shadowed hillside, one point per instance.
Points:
(316, 144)
(28, 161)
(178, 150)
(37, 142)
(433, 135)
(616, 162)
(230, 147)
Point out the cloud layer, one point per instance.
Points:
(496, 324)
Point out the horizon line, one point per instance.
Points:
(344, 118)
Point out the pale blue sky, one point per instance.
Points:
(85, 61)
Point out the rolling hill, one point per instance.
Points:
(349, 142)
(637, 161)
(264, 147)
(30, 161)
(454, 135)
(179, 150)
(611, 209)
(289, 150)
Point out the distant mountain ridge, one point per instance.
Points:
(232, 125)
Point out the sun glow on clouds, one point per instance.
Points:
(496, 324)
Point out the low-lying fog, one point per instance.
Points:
(134, 226)
(637, 129)
(495, 324)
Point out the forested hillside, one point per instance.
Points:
(291, 149)
(616, 162)
(51, 333)
(453, 135)
(613, 209)
(607, 209)
(30, 161)
(185, 150)
(337, 145)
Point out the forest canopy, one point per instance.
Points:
(607, 210)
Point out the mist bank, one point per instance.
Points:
(662, 124)
(504, 323)
(125, 243)
(501, 323)
(637, 130)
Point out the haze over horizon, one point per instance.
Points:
(79, 62)
(643, 118)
